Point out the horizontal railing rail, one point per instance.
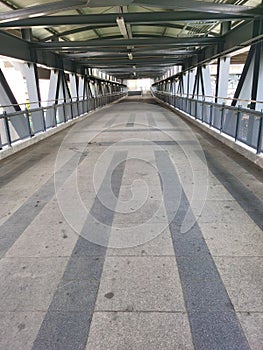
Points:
(241, 124)
(28, 122)
(213, 98)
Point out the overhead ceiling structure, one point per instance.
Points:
(127, 38)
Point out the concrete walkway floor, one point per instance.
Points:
(131, 230)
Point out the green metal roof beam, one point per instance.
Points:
(142, 50)
(109, 63)
(75, 31)
(161, 53)
(192, 5)
(134, 62)
(14, 6)
(175, 5)
(124, 55)
(94, 27)
(127, 62)
(137, 69)
(151, 36)
(169, 42)
(137, 17)
(40, 10)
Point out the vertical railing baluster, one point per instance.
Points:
(30, 133)
(7, 129)
(211, 115)
(260, 131)
(222, 116)
(237, 124)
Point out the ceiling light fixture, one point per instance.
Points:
(122, 26)
(130, 56)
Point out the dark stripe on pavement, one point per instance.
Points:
(136, 130)
(245, 198)
(24, 165)
(131, 120)
(213, 321)
(141, 143)
(252, 205)
(67, 322)
(16, 224)
(151, 120)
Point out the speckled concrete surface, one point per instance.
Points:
(179, 217)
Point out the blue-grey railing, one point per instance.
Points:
(20, 125)
(243, 125)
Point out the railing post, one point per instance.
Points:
(64, 112)
(222, 116)
(196, 109)
(55, 115)
(71, 109)
(43, 120)
(28, 123)
(77, 100)
(7, 130)
(237, 124)
(88, 104)
(202, 117)
(260, 131)
(211, 115)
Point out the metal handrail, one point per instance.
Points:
(204, 97)
(55, 101)
(243, 109)
(38, 120)
(242, 124)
